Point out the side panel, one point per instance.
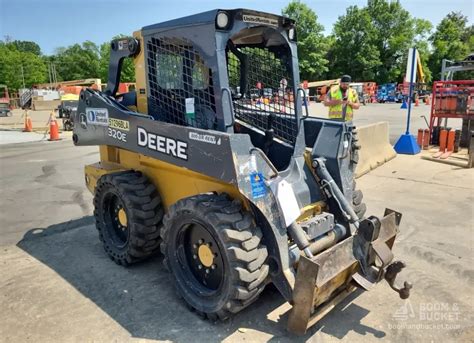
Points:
(101, 121)
(163, 175)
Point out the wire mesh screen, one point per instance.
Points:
(263, 92)
(180, 84)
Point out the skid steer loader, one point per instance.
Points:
(236, 188)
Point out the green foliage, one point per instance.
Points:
(26, 46)
(312, 45)
(78, 61)
(14, 64)
(452, 40)
(396, 32)
(371, 43)
(353, 50)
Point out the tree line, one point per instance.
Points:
(22, 64)
(370, 43)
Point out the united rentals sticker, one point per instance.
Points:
(119, 124)
(256, 19)
(97, 116)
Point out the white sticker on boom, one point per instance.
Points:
(287, 200)
(97, 116)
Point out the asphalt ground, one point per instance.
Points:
(57, 283)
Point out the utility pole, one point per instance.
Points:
(23, 75)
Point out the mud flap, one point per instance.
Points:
(325, 280)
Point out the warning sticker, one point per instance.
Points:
(97, 116)
(257, 183)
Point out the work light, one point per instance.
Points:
(292, 33)
(222, 20)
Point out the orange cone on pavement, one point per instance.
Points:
(28, 123)
(417, 102)
(53, 128)
(53, 131)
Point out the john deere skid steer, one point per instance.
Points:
(213, 162)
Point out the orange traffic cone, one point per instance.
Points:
(417, 102)
(28, 123)
(53, 128)
(427, 102)
(53, 131)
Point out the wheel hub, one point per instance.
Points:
(202, 256)
(206, 256)
(122, 217)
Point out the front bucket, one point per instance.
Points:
(325, 280)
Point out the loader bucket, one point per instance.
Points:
(325, 280)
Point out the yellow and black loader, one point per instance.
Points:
(213, 163)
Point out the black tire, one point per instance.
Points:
(140, 237)
(238, 254)
(357, 197)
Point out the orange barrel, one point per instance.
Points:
(451, 136)
(443, 136)
(419, 138)
(426, 139)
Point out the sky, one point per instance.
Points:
(57, 23)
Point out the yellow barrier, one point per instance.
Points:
(375, 147)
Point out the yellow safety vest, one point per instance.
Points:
(335, 112)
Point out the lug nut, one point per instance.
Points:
(207, 271)
(200, 241)
(200, 267)
(213, 266)
(195, 257)
(195, 246)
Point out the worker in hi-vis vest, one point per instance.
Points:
(342, 100)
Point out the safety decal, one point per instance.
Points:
(259, 189)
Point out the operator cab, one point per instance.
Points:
(227, 70)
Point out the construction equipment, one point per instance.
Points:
(387, 92)
(359, 88)
(370, 89)
(234, 193)
(67, 110)
(321, 88)
(4, 101)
